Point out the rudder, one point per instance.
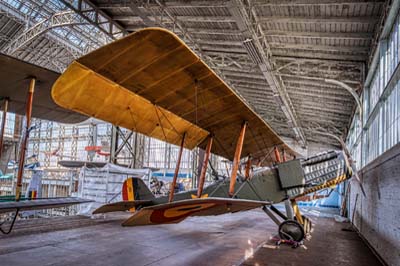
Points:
(134, 189)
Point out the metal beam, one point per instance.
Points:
(143, 16)
(56, 20)
(94, 16)
(168, 4)
(319, 61)
(295, 3)
(195, 31)
(321, 35)
(321, 72)
(331, 109)
(218, 49)
(202, 19)
(317, 55)
(237, 80)
(355, 95)
(320, 93)
(312, 83)
(311, 116)
(242, 74)
(256, 89)
(319, 20)
(206, 41)
(329, 48)
(321, 79)
(314, 94)
(350, 74)
(256, 51)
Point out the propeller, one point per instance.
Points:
(349, 159)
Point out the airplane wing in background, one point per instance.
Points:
(153, 83)
(15, 75)
(39, 204)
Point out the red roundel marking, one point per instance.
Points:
(158, 216)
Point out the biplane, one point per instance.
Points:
(19, 81)
(151, 82)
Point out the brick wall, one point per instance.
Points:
(377, 216)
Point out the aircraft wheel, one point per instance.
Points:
(291, 230)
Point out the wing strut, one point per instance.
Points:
(248, 168)
(178, 164)
(3, 124)
(204, 168)
(297, 211)
(236, 159)
(284, 155)
(277, 155)
(25, 139)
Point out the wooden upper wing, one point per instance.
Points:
(153, 83)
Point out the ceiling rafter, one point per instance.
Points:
(305, 42)
(239, 11)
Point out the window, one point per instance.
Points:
(381, 106)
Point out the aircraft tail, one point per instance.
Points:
(135, 194)
(134, 189)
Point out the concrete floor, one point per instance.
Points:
(221, 240)
(328, 245)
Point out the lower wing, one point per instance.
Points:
(39, 204)
(177, 211)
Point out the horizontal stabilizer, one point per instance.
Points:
(177, 211)
(39, 204)
(121, 206)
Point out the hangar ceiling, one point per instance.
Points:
(275, 53)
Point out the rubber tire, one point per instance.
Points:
(296, 236)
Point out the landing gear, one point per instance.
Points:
(291, 230)
(307, 224)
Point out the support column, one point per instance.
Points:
(204, 167)
(25, 137)
(178, 164)
(114, 144)
(236, 159)
(3, 125)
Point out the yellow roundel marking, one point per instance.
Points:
(202, 196)
(184, 209)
